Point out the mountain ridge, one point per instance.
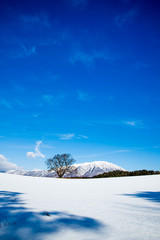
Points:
(87, 169)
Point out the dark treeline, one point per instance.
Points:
(119, 173)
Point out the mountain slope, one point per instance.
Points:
(89, 169)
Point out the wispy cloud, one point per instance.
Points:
(89, 59)
(20, 103)
(25, 34)
(126, 18)
(37, 152)
(49, 99)
(15, 102)
(96, 155)
(83, 96)
(5, 165)
(83, 136)
(122, 151)
(23, 51)
(121, 123)
(70, 136)
(29, 50)
(77, 3)
(133, 123)
(47, 146)
(53, 99)
(67, 136)
(5, 103)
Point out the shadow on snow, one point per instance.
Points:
(17, 222)
(151, 196)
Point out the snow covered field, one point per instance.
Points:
(80, 209)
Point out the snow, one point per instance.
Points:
(91, 169)
(88, 169)
(126, 208)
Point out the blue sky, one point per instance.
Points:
(82, 77)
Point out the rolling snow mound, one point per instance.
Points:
(89, 169)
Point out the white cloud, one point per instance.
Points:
(37, 152)
(123, 150)
(70, 136)
(5, 165)
(30, 154)
(83, 136)
(67, 136)
(131, 123)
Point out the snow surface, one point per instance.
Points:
(126, 208)
(88, 169)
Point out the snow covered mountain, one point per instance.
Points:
(89, 169)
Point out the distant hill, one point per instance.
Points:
(89, 169)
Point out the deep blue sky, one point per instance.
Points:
(82, 76)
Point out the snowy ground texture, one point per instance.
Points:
(125, 208)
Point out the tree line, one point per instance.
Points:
(119, 173)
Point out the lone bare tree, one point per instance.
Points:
(61, 164)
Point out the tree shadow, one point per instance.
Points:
(151, 196)
(18, 222)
